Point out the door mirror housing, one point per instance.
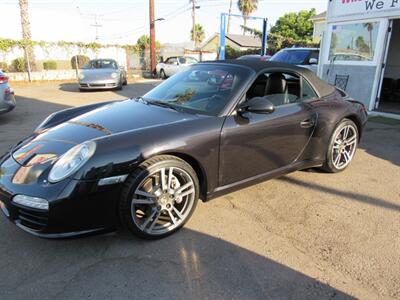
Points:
(257, 105)
(313, 61)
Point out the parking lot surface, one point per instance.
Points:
(305, 235)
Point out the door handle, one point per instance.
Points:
(307, 123)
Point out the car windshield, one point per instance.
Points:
(295, 57)
(187, 60)
(101, 64)
(203, 88)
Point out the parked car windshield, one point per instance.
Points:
(187, 60)
(296, 57)
(101, 64)
(203, 88)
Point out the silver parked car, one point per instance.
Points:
(102, 74)
(7, 97)
(173, 65)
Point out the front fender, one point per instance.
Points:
(121, 153)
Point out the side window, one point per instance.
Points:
(278, 87)
(168, 61)
(173, 60)
(307, 91)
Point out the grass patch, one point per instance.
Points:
(384, 120)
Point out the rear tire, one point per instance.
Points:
(342, 147)
(159, 197)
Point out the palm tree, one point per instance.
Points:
(26, 34)
(199, 34)
(247, 7)
(370, 28)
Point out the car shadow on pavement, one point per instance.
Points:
(187, 265)
(343, 194)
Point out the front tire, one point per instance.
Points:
(159, 197)
(342, 146)
(162, 74)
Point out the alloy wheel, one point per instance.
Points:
(344, 146)
(163, 200)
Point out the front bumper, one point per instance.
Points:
(98, 84)
(7, 103)
(75, 207)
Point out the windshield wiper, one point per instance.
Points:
(163, 104)
(140, 99)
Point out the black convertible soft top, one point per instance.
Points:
(322, 88)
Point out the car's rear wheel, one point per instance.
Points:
(342, 147)
(159, 197)
(162, 74)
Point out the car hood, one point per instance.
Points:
(93, 73)
(104, 121)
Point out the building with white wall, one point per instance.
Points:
(360, 51)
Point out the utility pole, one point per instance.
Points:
(194, 21)
(229, 17)
(97, 26)
(152, 38)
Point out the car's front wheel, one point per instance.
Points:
(159, 197)
(342, 146)
(162, 74)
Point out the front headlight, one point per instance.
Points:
(81, 76)
(71, 161)
(114, 75)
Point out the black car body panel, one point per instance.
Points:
(228, 151)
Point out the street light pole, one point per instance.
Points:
(152, 38)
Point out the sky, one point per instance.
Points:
(123, 21)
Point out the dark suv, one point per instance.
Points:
(303, 57)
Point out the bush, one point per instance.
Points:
(18, 65)
(231, 53)
(82, 60)
(3, 66)
(50, 65)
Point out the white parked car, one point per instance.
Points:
(173, 65)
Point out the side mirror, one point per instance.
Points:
(313, 61)
(176, 63)
(258, 105)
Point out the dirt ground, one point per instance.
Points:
(305, 235)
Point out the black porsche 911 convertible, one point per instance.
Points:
(211, 129)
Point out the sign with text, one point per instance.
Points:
(364, 8)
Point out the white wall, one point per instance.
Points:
(393, 62)
(66, 53)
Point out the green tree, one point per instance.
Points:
(247, 7)
(143, 43)
(199, 36)
(296, 26)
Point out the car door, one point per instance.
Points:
(174, 66)
(254, 144)
(167, 66)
